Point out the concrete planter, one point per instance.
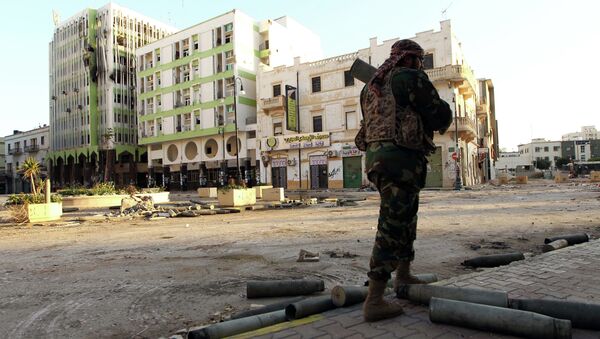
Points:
(595, 176)
(561, 177)
(93, 201)
(157, 198)
(44, 212)
(522, 179)
(237, 197)
(106, 201)
(207, 192)
(260, 189)
(273, 194)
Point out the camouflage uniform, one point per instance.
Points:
(398, 167)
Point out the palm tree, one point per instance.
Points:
(31, 169)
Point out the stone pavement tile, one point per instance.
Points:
(348, 320)
(368, 330)
(324, 322)
(355, 336)
(584, 334)
(337, 330)
(328, 336)
(308, 331)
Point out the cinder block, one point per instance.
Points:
(207, 192)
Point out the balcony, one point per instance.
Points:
(15, 151)
(454, 73)
(32, 148)
(467, 128)
(273, 104)
(482, 109)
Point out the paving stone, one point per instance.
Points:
(368, 330)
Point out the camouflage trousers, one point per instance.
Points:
(399, 175)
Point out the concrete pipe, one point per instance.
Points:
(343, 296)
(282, 288)
(308, 307)
(582, 315)
(497, 319)
(362, 70)
(428, 278)
(555, 245)
(267, 308)
(572, 239)
(494, 260)
(422, 294)
(237, 326)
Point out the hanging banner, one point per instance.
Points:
(291, 116)
(295, 141)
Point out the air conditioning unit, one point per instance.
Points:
(266, 158)
(332, 154)
(292, 162)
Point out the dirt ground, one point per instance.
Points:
(138, 278)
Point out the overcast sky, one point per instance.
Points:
(535, 51)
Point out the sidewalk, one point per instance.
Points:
(572, 273)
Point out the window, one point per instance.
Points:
(538, 149)
(546, 149)
(317, 123)
(276, 90)
(277, 128)
(556, 148)
(428, 61)
(582, 148)
(547, 158)
(251, 134)
(351, 120)
(316, 84)
(348, 79)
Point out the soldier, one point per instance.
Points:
(401, 109)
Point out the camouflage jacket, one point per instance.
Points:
(407, 113)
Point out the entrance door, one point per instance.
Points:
(352, 172)
(318, 172)
(279, 176)
(435, 174)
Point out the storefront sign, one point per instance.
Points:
(318, 160)
(291, 116)
(295, 141)
(350, 152)
(279, 162)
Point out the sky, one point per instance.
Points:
(534, 51)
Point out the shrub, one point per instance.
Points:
(22, 198)
(103, 188)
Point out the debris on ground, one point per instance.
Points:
(306, 256)
(340, 254)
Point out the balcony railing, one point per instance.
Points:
(15, 151)
(466, 127)
(32, 148)
(482, 109)
(452, 73)
(275, 103)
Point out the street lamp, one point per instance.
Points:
(237, 143)
(457, 181)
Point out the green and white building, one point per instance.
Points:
(188, 106)
(92, 97)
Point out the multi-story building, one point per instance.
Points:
(197, 95)
(93, 95)
(587, 133)
(581, 150)
(508, 161)
(2, 167)
(315, 149)
(18, 147)
(541, 148)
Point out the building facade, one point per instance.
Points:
(508, 162)
(539, 149)
(18, 147)
(2, 167)
(317, 151)
(581, 150)
(197, 96)
(93, 119)
(586, 133)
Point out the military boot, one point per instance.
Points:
(376, 307)
(403, 276)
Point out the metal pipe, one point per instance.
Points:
(282, 288)
(494, 260)
(308, 307)
(237, 326)
(362, 70)
(555, 245)
(426, 278)
(498, 319)
(267, 309)
(422, 294)
(343, 296)
(572, 239)
(581, 315)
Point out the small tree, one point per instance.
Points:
(560, 162)
(542, 164)
(31, 170)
